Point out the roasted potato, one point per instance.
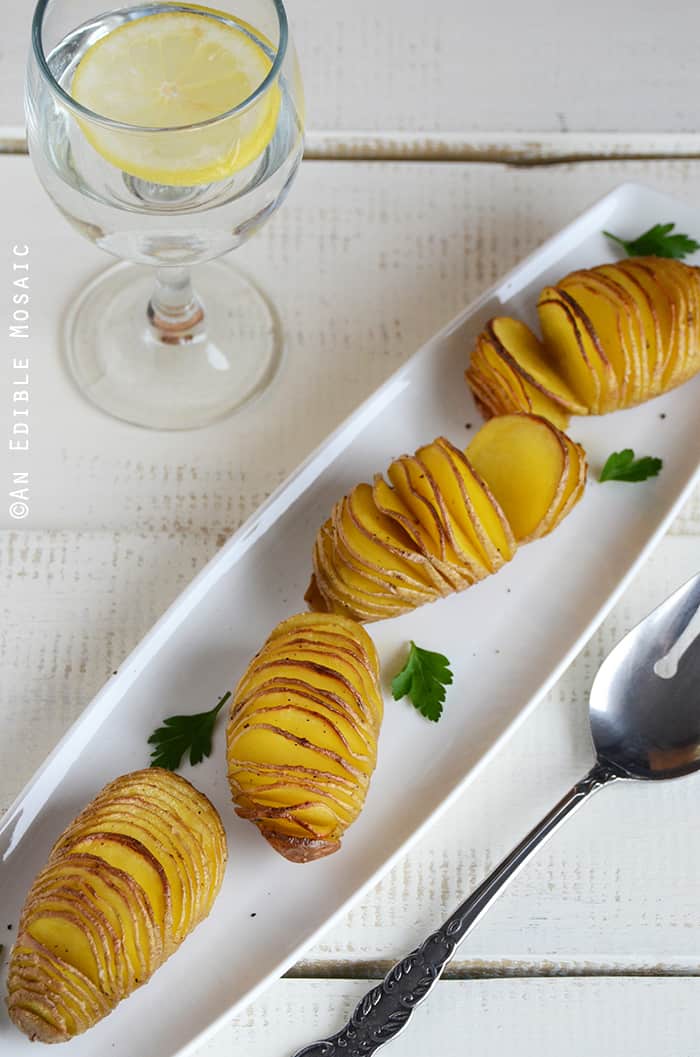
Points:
(613, 336)
(128, 879)
(446, 519)
(302, 733)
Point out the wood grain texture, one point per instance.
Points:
(415, 67)
(581, 1018)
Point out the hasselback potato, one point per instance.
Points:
(302, 733)
(613, 336)
(127, 880)
(446, 520)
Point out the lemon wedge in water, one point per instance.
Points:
(169, 70)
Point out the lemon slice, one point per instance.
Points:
(170, 70)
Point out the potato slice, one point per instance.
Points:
(98, 921)
(570, 347)
(653, 344)
(302, 734)
(577, 471)
(343, 632)
(76, 933)
(521, 394)
(97, 885)
(517, 345)
(681, 295)
(688, 280)
(501, 373)
(362, 554)
(463, 566)
(496, 391)
(492, 525)
(457, 511)
(633, 324)
(325, 680)
(611, 330)
(173, 793)
(420, 502)
(664, 309)
(416, 495)
(34, 976)
(379, 514)
(143, 822)
(525, 463)
(293, 705)
(596, 354)
(343, 588)
(290, 651)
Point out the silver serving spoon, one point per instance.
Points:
(645, 720)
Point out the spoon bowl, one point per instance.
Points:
(645, 699)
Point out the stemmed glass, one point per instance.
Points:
(165, 193)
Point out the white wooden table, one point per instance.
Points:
(404, 210)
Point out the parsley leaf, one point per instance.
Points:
(622, 466)
(658, 242)
(423, 679)
(182, 733)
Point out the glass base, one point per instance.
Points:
(125, 367)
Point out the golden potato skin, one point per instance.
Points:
(302, 734)
(614, 336)
(446, 520)
(125, 882)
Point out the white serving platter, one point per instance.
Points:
(508, 639)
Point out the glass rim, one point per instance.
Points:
(123, 126)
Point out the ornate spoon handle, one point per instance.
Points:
(386, 1009)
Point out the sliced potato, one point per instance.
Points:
(414, 485)
(516, 344)
(526, 462)
(574, 356)
(680, 296)
(494, 395)
(302, 733)
(648, 275)
(603, 316)
(636, 315)
(491, 526)
(127, 880)
(472, 547)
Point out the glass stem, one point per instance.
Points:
(175, 312)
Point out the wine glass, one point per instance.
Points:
(167, 133)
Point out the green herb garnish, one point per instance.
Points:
(658, 242)
(182, 733)
(423, 679)
(622, 466)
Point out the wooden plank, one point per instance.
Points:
(509, 147)
(523, 149)
(427, 68)
(496, 1017)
